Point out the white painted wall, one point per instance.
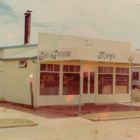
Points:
(84, 48)
(16, 81)
(1, 79)
(50, 41)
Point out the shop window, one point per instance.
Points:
(71, 83)
(122, 80)
(56, 67)
(85, 82)
(135, 75)
(49, 79)
(71, 68)
(105, 83)
(43, 67)
(65, 68)
(77, 68)
(49, 83)
(122, 83)
(105, 80)
(71, 79)
(105, 69)
(49, 67)
(122, 70)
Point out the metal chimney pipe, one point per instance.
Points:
(27, 27)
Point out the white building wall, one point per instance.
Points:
(49, 41)
(1, 79)
(16, 81)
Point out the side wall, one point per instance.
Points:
(1, 79)
(16, 81)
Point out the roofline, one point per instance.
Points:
(19, 46)
(86, 37)
(33, 57)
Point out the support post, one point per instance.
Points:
(130, 59)
(81, 88)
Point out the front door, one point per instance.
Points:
(88, 82)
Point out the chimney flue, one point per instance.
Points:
(27, 27)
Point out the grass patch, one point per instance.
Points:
(103, 116)
(15, 122)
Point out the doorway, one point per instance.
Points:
(88, 82)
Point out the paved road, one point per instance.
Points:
(74, 128)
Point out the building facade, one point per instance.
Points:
(68, 70)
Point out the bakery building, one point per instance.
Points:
(66, 70)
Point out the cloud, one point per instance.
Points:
(7, 15)
(110, 19)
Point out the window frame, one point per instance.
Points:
(106, 71)
(122, 71)
(50, 71)
(76, 70)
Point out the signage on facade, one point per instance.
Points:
(102, 55)
(53, 55)
(89, 43)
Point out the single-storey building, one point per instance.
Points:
(66, 70)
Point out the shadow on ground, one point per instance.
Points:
(69, 111)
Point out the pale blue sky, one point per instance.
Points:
(105, 19)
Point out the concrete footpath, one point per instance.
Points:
(73, 128)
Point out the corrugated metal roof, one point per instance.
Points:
(18, 46)
(18, 53)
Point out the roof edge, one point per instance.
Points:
(19, 46)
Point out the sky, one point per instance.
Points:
(117, 20)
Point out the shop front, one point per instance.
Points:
(85, 74)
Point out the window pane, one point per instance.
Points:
(71, 83)
(77, 68)
(110, 70)
(135, 75)
(49, 67)
(122, 83)
(117, 70)
(122, 70)
(127, 70)
(49, 83)
(43, 67)
(85, 82)
(91, 82)
(72, 68)
(105, 83)
(100, 69)
(56, 67)
(65, 68)
(105, 70)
